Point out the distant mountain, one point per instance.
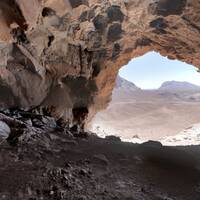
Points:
(134, 113)
(123, 84)
(179, 86)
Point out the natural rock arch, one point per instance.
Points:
(66, 54)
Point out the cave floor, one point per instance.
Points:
(53, 165)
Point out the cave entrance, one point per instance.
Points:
(154, 99)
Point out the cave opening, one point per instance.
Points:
(154, 98)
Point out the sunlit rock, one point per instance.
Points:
(66, 54)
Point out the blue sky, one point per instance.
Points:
(152, 69)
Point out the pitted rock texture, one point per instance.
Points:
(65, 54)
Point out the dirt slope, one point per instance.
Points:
(49, 162)
(55, 165)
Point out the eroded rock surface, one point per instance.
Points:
(65, 54)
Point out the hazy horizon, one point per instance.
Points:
(158, 86)
(152, 70)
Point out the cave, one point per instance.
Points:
(95, 48)
(62, 57)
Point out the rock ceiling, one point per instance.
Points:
(65, 54)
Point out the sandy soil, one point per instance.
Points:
(147, 115)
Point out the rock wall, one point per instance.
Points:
(65, 54)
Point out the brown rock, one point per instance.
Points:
(71, 50)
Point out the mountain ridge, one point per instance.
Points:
(148, 114)
(178, 85)
(122, 83)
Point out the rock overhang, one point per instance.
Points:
(66, 54)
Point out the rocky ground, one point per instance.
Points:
(40, 159)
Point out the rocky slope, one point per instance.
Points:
(138, 115)
(188, 136)
(124, 85)
(41, 159)
(65, 54)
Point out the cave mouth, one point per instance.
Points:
(154, 99)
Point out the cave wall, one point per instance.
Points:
(65, 54)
